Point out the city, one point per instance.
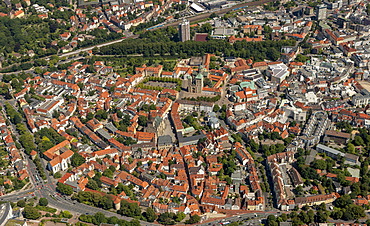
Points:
(209, 112)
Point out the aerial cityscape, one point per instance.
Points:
(176, 112)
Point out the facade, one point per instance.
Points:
(194, 84)
(321, 12)
(315, 128)
(184, 31)
(278, 72)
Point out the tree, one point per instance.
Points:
(336, 214)
(271, 221)
(77, 160)
(273, 54)
(213, 15)
(167, 218)
(301, 58)
(150, 215)
(65, 214)
(193, 219)
(32, 213)
(81, 85)
(321, 217)
(108, 173)
(129, 209)
(64, 189)
(43, 202)
(343, 201)
(57, 175)
(351, 148)
(21, 203)
(142, 120)
(353, 212)
(92, 184)
(358, 141)
(106, 203)
(100, 218)
(216, 108)
(319, 164)
(101, 115)
(180, 216)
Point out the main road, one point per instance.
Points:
(129, 35)
(176, 23)
(48, 190)
(218, 12)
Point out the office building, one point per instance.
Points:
(184, 31)
(321, 12)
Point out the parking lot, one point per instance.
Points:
(169, 85)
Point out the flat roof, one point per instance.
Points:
(329, 149)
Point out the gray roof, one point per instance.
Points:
(104, 134)
(111, 127)
(192, 139)
(329, 149)
(164, 140)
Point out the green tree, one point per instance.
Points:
(142, 120)
(43, 202)
(21, 203)
(180, 216)
(351, 148)
(343, 201)
(57, 175)
(273, 54)
(92, 184)
(319, 164)
(106, 203)
(77, 160)
(129, 209)
(193, 219)
(108, 173)
(167, 218)
(336, 214)
(216, 108)
(353, 212)
(30, 212)
(150, 215)
(271, 221)
(358, 141)
(64, 189)
(321, 217)
(65, 214)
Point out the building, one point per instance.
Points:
(315, 200)
(329, 151)
(214, 4)
(337, 137)
(278, 72)
(193, 84)
(184, 31)
(315, 128)
(335, 154)
(321, 12)
(361, 99)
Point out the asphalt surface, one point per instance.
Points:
(56, 200)
(247, 218)
(218, 12)
(176, 23)
(48, 189)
